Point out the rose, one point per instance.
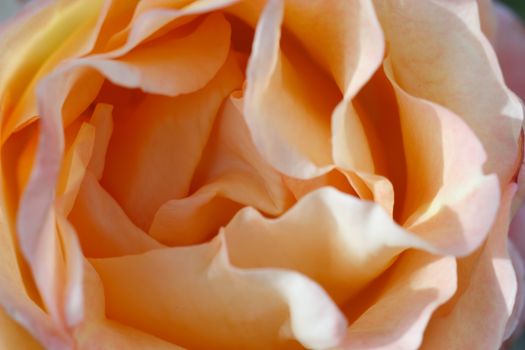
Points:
(251, 174)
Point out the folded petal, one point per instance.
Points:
(336, 239)
(486, 294)
(415, 286)
(288, 101)
(220, 306)
(231, 174)
(151, 160)
(448, 200)
(430, 45)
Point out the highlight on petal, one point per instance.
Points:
(339, 241)
(415, 286)
(445, 177)
(288, 100)
(220, 306)
(487, 289)
(430, 45)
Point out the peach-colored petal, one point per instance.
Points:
(98, 332)
(230, 171)
(510, 47)
(220, 306)
(152, 160)
(449, 200)
(102, 226)
(288, 100)
(65, 29)
(190, 61)
(338, 240)
(417, 284)
(15, 303)
(149, 20)
(430, 44)
(476, 317)
(14, 336)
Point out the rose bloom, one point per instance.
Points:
(281, 174)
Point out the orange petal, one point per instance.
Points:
(337, 240)
(230, 171)
(152, 160)
(220, 305)
(190, 61)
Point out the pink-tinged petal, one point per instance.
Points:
(288, 101)
(516, 321)
(14, 336)
(97, 332)
(170, 65)
(430, 44)
(415, 286)
(510, 47)
(476, 317)
(152, 160)
(448, 201)
(336, 239)
(231, 174)
(16, 305)
(221, 306)
(487, 19)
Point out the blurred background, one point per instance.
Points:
(518, 6)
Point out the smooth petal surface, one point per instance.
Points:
(98, 332)
(487, 275)
(280, 96)
(220, 306)
(416, 285)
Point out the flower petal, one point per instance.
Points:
(220, 306)
(430, 45)
(485, 276)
